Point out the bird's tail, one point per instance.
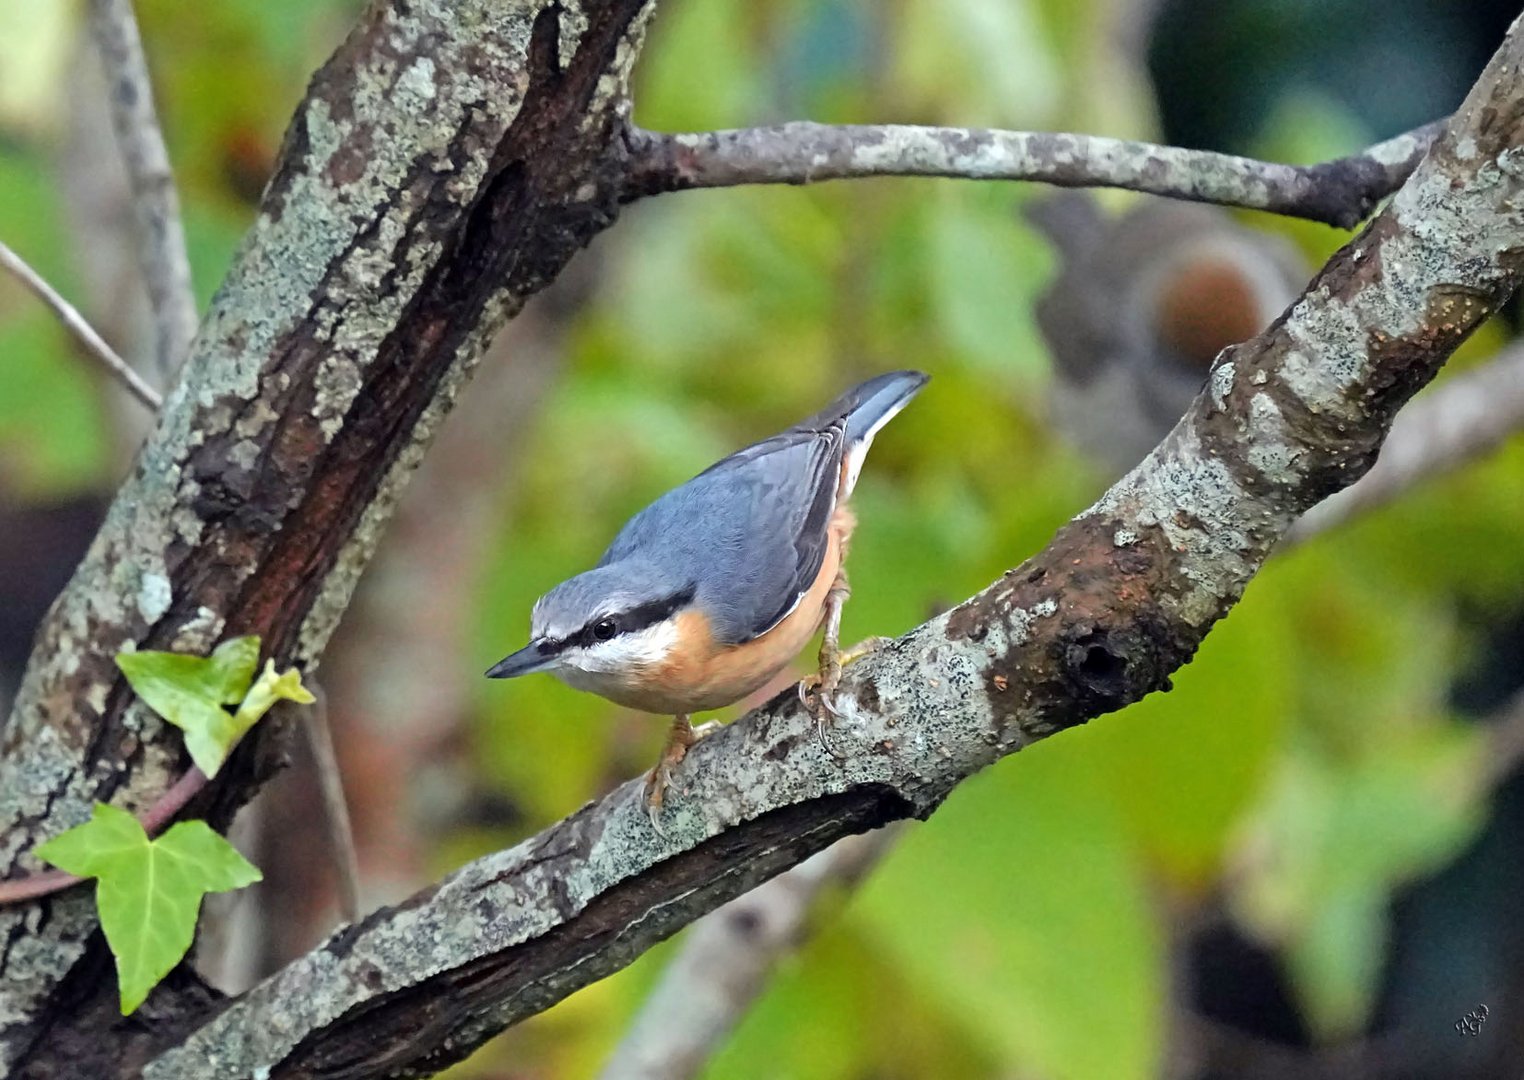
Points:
(866, 408)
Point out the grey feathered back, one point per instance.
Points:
(750, 532)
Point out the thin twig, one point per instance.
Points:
(1341, 192)
(1456, 422)
(727, 959)
(83, 332)
(161, 235)
(157, 816)
(341, 835)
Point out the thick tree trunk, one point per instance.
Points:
(446, 163)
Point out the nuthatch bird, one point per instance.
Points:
(714, 588)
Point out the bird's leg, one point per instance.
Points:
(682, 736)
(817, 692)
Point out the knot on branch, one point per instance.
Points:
(1096, 666)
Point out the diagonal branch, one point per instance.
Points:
(1120, 598)
(1458, 421)
(161, 235)
(725, 960)
(94, 345)
(1341, 192)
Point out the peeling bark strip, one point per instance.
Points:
(447, 161)
(1122, 597)
(1341, 192)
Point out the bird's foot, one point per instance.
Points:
(682, 736)
(817, 692)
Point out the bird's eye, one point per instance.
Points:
(604, 629)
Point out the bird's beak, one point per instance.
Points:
(532, 657)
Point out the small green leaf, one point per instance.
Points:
(267, 691)
(191, 692)
(148, 891)
(111, 840)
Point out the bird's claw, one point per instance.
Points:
(657, 783)
(816, 694)
(660, 779)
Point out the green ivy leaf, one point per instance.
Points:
(192, 693)
(263, 695)
(148, 891)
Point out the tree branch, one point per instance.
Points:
(1120, 598)
(161, 236)
(335, 809)
(727, 956)
(94, 345)
(1460, 420)
(1341, 192)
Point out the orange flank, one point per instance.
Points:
(700, 674)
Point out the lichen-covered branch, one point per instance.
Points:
(446, 163)
(161, 235)
(1120, 598)
(1341, 192)
(727, 956)
(1457, 422)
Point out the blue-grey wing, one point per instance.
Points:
(750, 532)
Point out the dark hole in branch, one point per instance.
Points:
(1101, 665)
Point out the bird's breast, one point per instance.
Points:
(700, 673)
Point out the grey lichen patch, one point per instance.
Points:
(1205, 513)
(1272, 451)
(338, 384)
(252, 423)
(204, 625)
(244, 453)
(415, 88)
(1221, 382)
(572, 25)
(154, 597)
(1328, 357)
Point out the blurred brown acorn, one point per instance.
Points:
(1141, 306)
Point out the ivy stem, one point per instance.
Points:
(47, 882)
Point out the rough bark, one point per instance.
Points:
(1120, 598)
(1457, 422)
(446, 163)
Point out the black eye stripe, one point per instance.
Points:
(631, 621)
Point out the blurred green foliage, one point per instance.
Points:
(1306, 763)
